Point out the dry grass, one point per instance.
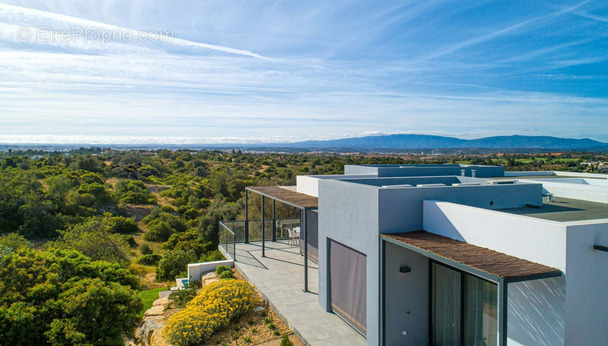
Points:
(112, 182)
(147, 274)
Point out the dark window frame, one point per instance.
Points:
(462, 298)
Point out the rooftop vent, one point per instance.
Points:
(501, 182)
(466, 184)
(399, 185)
(429, 185)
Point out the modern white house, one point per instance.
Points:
(454, 254)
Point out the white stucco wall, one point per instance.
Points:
(348, 215)
(593, 191)
(587, 284)
(536, 309)
(555, 173)
(535, 313)
(309, 184)
(580, 296)
(195, 270)
(536, 240)
(406, 297)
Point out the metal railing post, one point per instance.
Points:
(304, 228)
(274, 222)
(246, 219)
(263, 230)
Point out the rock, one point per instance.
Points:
(150, 331)
(161, 301)
(156, 310)
(209, 278)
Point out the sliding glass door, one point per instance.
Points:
(446, 306)
(479, 312)
(463, 308)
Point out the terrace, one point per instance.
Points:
(278, 278)
(263, 254)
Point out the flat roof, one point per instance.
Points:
(564, 209)
(287, 195)
(540, 177)
(480, 259)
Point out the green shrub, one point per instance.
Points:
(191, 214)
(120, 224)
(93, 239)
(211, 256)
(129, 239)
(226, 275)
(173, 264)
(158, 214)
(158, 231)
(180, 298)
(222, 268)
(134, 192)
(168, 209)
(150, 259)
(213, 309)
(145, 249)
(182, 209)
(285, 341)
(137, 198)
(64, 298)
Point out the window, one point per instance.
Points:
(463, 308)
(348, 285)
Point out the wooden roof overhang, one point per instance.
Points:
(287, 195)
(483, 262)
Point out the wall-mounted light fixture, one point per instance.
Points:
(405, 269)
(600, 247)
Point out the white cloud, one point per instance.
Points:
(181, 90)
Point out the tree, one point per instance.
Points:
(88, 163)
(12, 242)
(174, 264)
(134, 192)
(62, 297)
(158, 231)
(95, 239)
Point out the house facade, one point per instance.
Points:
(460, 254)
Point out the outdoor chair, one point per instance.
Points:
(294, 236)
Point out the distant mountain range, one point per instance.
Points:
(377, 143)
(407, 141)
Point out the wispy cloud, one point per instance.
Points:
(41, 25)
(298, 71)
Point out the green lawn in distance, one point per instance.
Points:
(149, 297)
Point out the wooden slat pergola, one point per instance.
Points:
(494, 263)
(287, 195)
(488, 264)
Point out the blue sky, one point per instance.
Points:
(246, 71)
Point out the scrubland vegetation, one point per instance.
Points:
(82, 232)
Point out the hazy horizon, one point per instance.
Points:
(283, 72)
(176, 141)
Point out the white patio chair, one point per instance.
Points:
(294, 236)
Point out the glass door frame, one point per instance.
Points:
(501, 291)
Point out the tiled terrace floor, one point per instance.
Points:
(279, 277)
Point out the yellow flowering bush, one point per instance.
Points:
(213, 309)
